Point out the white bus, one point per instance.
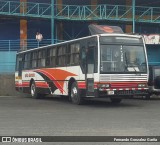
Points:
(103, 65)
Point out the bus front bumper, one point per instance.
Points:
(123, 93)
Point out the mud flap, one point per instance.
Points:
(90, 87)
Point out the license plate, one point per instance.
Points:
(110, 92)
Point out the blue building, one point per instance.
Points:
(59, 20)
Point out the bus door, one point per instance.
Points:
(90, 67)
(20, 65)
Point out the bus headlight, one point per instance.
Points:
(141, 85)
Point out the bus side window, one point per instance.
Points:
(61, 55)
(68, 55)
(90, 59)
(19, 65)
(83, 59)
(41, 58)
(34, 59)
(76, 54)
(63, 58)
(25, 61)
(75, 48)
(27, 58)
(53, 56)
(48, 55)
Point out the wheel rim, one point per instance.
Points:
(74, 93)
(33, 88)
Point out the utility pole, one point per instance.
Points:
(133, 15)
(52, 21)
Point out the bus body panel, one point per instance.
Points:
(56, 80)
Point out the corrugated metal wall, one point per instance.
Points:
(7, 61)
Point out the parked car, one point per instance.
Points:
(154, 81)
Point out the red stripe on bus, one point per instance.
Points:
(121, 89)
(82, 85)
(42, 84)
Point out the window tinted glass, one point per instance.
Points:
(157, 72)
(123, 58)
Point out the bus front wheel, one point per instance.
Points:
(75, 95)
(33, 92)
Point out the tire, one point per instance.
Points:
(33, 91)
(147, 97)
(75, 95)
(115, 100)
(157, 82)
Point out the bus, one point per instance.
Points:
(111, 66)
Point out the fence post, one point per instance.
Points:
(9, 44)
(9, 6)
(52, 21)
(133, 15)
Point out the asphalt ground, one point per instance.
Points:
(24, 116)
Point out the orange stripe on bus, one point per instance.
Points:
(56, 74)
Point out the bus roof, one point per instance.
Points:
(70, 41)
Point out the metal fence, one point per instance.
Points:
(9, 48)
(15, 45)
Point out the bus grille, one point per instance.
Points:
(123, 77)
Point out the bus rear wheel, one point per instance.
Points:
(147, 97)
(75, 95)
(33, 91)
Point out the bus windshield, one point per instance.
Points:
(124, 58)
